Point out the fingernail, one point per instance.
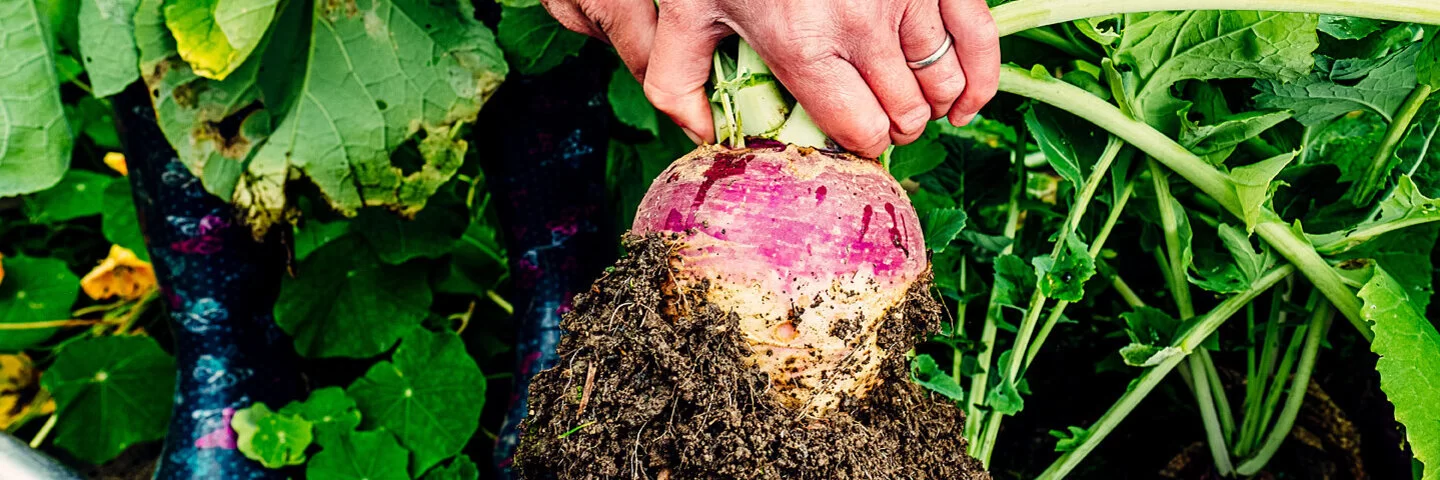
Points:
(693, 137)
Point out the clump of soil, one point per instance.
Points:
(643, 393)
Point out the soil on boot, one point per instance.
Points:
(641, 392)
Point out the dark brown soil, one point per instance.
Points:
(639, 394)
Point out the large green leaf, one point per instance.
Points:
(107, 44)
(919, 157)
(430, 395)
(113, 392)
(35, 139)
(533, 41)
(1165, 48)
(1254, 184)
(81, 193)
(331, 413)
(379, 74)
(118, 220)
(34, 290)
(1337, 88)
(431, 234)
(216, 36)
(941, 227)
(462, 468)
(1014, 280)
(1409, 349)
(627, 100)
(345, 302)
(360, 455)
(1217, 141)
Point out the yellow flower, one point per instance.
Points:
(121, 274)
(2, 268)
(18, 387)
(116, 161)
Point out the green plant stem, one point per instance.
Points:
(1214, 436)
(39, 438)
(980, 381)
(1259, 384)
(957, 331)
(1096, 247)
(1049, 37)
(1271, 228)
(1187, 342)
(1376, 175)
(1319, 325)
(1217, 391)
(1023, 15)
(1429, 135)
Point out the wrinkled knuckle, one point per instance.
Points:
(660, 96)
(947, 89)
(986, 35)
(870, 138)
(912, 120)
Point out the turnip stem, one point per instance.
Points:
(1022, 15)
(1319, 325)
(1275, 231)
(1376, 176)
(1187, 342)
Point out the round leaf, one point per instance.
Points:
(273, 439)
(331, 412)
(111, 392)
(368, 455)
(34, 290)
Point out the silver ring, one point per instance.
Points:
(934, 57)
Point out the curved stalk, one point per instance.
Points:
(1272, 229)
(1026, 14)
(1375, 177)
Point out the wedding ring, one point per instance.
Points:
(934, 57)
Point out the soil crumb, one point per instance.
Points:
(643, 393)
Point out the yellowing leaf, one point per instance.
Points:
(116, 162)
(18, 384)
(215, 36)
(121, 274)
(2, 268)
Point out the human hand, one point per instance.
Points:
(843, 60)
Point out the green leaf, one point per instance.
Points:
(1251, 263)
(431, 234)
(941, 227)
(1151, 332)
(1407, 206)
(519, 3)
(113, 392)
(107, 43)
(1064, 278)
(34, 290)
(1427, 65)
(1409, 350)
(35, 139)
(314, 234)
(273, 439)
(80, 193)
(380, 75)
(216, 36)
(1337, 88)
(1405, 255)
(1217, 141)
(1066, 441)
(1070, 145)
(330, 411)
(1348, 28)
(627, 100)
(1348, 143)
(924, 371)
(533, 41)
(345, 302)
(98, 123)
(1013, 281)
(1254, 184)
(919, 157)
(461, 468)
(1165, 48)
(119, 221)
(360, 455)
(1004, 397)
(152, 38)
(429, 394)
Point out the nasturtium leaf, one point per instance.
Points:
(118, 220)
(942, 225)
(429, 394)
(1348, 28)
(461, 468)
(330, 411)
(1217, 141)
(1151, 332)
(98, 123)
(1407, 344)
(1014, 280)
(431, 234)
(1069, 440)
(35, 139)
(533, 41)
(380, 75)
(1254, 184)
(1063, 278)
(927, 373)
(1164, 48)
(313, 234)
(113, 392)
(80, 193)
(345, 302)
(476, 261)
(919, 157)
(360, 455)
(107, 44)
(627, 100)
(153, 41)
(216, 36)
(1328, 92)
(273, 439)
(34, 290)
